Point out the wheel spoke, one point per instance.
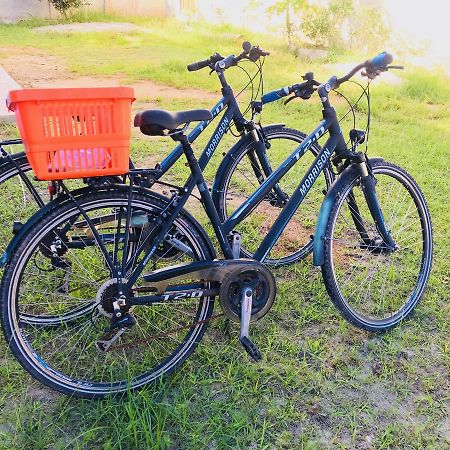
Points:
(373, 286)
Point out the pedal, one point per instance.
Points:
(246, 312)
(251, 349)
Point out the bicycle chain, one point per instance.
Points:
(175, 330)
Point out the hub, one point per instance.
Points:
(108, 294)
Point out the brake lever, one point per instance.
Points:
(373, 75)
(289, 99)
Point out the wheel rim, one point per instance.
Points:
(377, 286)
(66, 355)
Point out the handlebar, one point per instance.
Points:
(205, 63)
(198, 65)
(380, 61)
(275, 95)
(373, 67)
(219, 63)
(303, 90)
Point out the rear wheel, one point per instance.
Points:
(63, 356)
(375, 288)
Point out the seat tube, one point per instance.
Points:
(206, 197)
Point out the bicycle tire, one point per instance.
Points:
(82, 372)
(362, 280)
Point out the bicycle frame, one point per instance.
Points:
(334, 144)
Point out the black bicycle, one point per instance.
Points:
(150, 273)
(245, 166)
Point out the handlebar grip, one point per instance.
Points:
(275, 95)
(380, 61)
(198, 65)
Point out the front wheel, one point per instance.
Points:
(375, 288)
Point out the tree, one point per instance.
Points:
(344, 24)
(63, 6)
(287, 7)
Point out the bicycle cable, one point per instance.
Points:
(250, 82)
(365, 92)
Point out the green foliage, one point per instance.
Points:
(281, 6)
(425, 87)
(63, 6)
(286, 7)
(345, 25)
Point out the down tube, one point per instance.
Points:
(296, 199)
(258, 196)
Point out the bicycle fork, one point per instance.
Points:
(368, 183)
(262, 169)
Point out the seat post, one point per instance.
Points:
(187, 149)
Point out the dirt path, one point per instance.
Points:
(89, 27)
(32, 69)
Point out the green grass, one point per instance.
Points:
(322, 383)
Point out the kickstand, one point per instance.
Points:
(246, 312)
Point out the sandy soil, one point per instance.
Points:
(32, 69)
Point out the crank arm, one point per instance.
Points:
(104, 344)
(246, 313)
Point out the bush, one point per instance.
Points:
(63, 6)
(344, 25)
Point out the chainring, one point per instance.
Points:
(260, 279)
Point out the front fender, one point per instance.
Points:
(228, 158)
(325, 210)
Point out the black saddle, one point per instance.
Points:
(153, 122)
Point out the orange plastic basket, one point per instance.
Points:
(74, 132)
